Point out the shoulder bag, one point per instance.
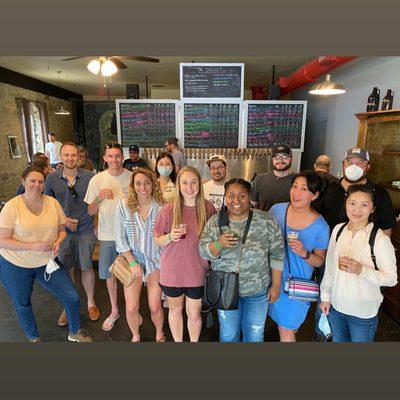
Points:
(295, 288)
(121, 270)
(221, 289)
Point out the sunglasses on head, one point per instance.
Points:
(112, 145)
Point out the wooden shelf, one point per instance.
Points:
(373, 113)
(388, 185)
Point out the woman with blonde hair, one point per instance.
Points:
(177, 230)
(134, 222)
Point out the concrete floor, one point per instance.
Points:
(47, 310)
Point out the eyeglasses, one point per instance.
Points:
(215, 168)
(73, 191)
(112, 145)
(276, 158)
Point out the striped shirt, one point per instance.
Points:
(134, 234)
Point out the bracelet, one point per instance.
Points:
(308, 255)
(169, 237)
(217, 245)
(133, 263)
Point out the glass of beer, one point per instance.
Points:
(182, 228)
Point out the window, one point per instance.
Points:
(33, 119)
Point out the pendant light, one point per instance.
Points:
(103, 65)
(327, 88)
(61, 110)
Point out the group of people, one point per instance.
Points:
(171, 227)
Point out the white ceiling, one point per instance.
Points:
(75, 77)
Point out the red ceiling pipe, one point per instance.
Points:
(310, 72)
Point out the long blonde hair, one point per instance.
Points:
(156, 194)
(179, 201)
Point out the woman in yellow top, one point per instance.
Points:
(31, 231)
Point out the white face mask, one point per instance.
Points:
(353, 172)
(164, 171)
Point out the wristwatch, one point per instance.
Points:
(308, 255)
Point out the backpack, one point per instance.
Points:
(371, 241)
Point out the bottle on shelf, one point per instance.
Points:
(373, 100)
(387, 101)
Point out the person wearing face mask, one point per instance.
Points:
(273, 187)
(355, 168)
(166, 175)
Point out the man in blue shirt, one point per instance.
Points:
(69, 186)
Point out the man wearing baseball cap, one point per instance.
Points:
(273, 187)
(356, 165)
(134, 160)
(214, 188)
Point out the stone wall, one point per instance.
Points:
(61, 125)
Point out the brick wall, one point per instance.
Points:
(61, 125)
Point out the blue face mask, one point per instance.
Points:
(164, 171)
(324, 327)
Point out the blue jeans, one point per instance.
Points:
(19, 281)
(348, 328)
(248, 319)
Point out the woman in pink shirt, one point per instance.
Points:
(182, 270)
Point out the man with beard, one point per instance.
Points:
(214, 189)
(68, 186)
(355, 168)
(134, 160)
(273, 187)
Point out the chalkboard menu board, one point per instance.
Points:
(146, 124)
(211, 125)
(270, 124)
(212, 81)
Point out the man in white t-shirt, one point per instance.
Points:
(53, 150)
(214, 189)
(104, 191)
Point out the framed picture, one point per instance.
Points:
(13, 144)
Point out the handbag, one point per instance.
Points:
(295, 288)
(121, 270)
(221, 289)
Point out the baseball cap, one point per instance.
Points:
(357, 152)
(282, 149)
(134, 148)
(216, 157)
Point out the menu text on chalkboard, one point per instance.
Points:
(211, 81)
(211, 125)
(272, 124)
(147, 124)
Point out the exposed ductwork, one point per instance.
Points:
(310, 72)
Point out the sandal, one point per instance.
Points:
(109, 322)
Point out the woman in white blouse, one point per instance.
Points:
(134, 222)
(350, 289)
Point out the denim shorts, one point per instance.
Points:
(77, 249)
(107, 255)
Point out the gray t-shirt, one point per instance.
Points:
(179, 158)
(267, 190)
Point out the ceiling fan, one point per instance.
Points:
(109, 65)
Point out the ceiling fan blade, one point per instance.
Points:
(72, 58)
(118, 63)
(141, 58)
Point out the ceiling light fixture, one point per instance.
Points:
(103, 65)
(61, 110)
(327, 88)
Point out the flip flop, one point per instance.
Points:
(110, 321)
